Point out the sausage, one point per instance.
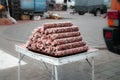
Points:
(71, 51)
(66, 40)
(64, 35)
(61, 30)
(56, 25)
(70, 45)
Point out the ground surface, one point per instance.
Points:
(107, 64)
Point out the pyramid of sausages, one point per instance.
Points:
(57, 39)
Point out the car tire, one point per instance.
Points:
(81, 13)
(97, 12)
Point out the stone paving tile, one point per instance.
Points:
(8, 74)
(35, 73)
(117, 73)
(105, 56)
(45, 79)
(73, 71)
(101, 76)
(105, 67)
(112, 72)
(109, 73)
(114, 78)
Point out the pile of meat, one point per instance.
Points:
(57, 39)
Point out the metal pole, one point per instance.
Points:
(93, 70)
(53, 77)
(56, 72)
(88, 62)
(19, 67)
(8, 7)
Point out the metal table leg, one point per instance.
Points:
(19, 68)
(53, 74)
(56, 72)
(89, 62)
(93, 67)
(93, 70)
(19, 65)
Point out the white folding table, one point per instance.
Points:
(91, 53)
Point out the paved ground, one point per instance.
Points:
(106, 63)
(88, 24)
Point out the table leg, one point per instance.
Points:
(88, 62)
(19, 67)
(53, 74)
(56, 72)
(93, 70)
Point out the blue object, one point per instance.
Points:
(33, 5)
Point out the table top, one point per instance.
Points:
(53, 60)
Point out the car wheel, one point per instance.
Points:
(97, 13)
(81, 13)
